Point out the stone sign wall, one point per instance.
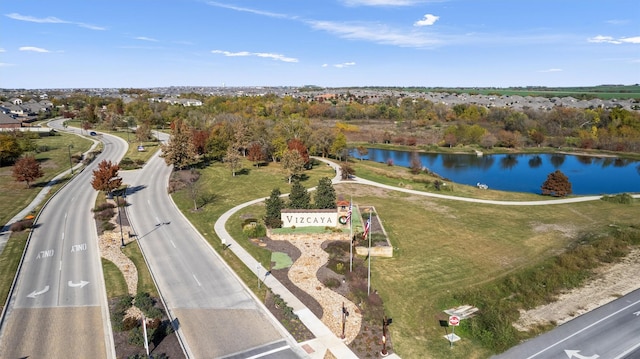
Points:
(309, 218)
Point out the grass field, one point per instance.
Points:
(15, 195)
(441, 247)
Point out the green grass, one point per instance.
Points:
(145, 282)
(282, 260)
(113, 279)
(15, 195)
(150, 147)
(9, 260)
(442, 247)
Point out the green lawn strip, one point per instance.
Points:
(9, 261)
(145, 282)
(114, 279)
(15, 195)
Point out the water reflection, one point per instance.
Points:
(535, 161)
(524, 172)
(508, 162)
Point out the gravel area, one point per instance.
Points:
(303, 274)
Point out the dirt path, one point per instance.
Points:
(611, 282)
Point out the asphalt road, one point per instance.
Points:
(216, 314)
(58, 307)
(610, 332)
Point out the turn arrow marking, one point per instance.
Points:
(575, 354)
(75, 285)
(34, 294)
(637, 314)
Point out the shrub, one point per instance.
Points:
(129, 323)
(331, 283)
(21, 225)
(255, 231)
(103, 206)
(623, 198)
(105, 214)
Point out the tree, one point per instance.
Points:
(339, 145)
(362, 151)
(105, 177)
(557, 185)
(293, 163)
(325, 196)
(27, 169)
(299, 198)
(232, 159)
(297, 145)
(416, 163)
(346, 171)
(10, 148)
(273, 206)
(179, 151)
(256, 154)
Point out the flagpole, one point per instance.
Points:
(369, 254)
(351, 235)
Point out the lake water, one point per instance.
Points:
(525, 172)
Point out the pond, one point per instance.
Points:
(588, 175)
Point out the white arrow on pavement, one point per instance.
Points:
(575, 354)
(35, 294)
(75, 285)
(637, 314)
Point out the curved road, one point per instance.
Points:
(59, 300)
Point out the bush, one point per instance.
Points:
(255, 231)
(105, 214)
(103, 206)
(21, 225)
(130, 323)
(623, 198)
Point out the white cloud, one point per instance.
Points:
(268, 55)
(551, 70)
(51, 20)
(631, 40)
(144, 38)
(4, 64)
(382, 2)
(344, 64)
(2, 50)
(33, 49)
(249, 10)
(617, 22)
(612, 40)
(428, 20)
(374, 33)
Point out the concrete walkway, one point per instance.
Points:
(325, 339)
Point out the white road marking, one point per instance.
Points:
(627, 351)
(583, 329)
(197, 281)
(269, 352)
(173, 244)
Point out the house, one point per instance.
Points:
(8, 121)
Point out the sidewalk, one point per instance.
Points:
(324, 338)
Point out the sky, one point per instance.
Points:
(328, 43)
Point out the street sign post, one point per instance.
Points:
(454, 321)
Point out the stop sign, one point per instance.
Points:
(454, 320)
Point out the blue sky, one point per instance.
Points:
(332, 43)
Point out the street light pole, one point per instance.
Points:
(70, 163)
(120, 221)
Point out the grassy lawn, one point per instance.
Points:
(15, 195)
(113, 279)
(145, 282)
(9, 260)
(441, 246)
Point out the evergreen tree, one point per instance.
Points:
(557, 185)
(325, 196)
(274, 205)
(299, 198)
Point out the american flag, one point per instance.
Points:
(349, 212)
(366, 228)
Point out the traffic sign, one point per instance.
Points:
(454, 320)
